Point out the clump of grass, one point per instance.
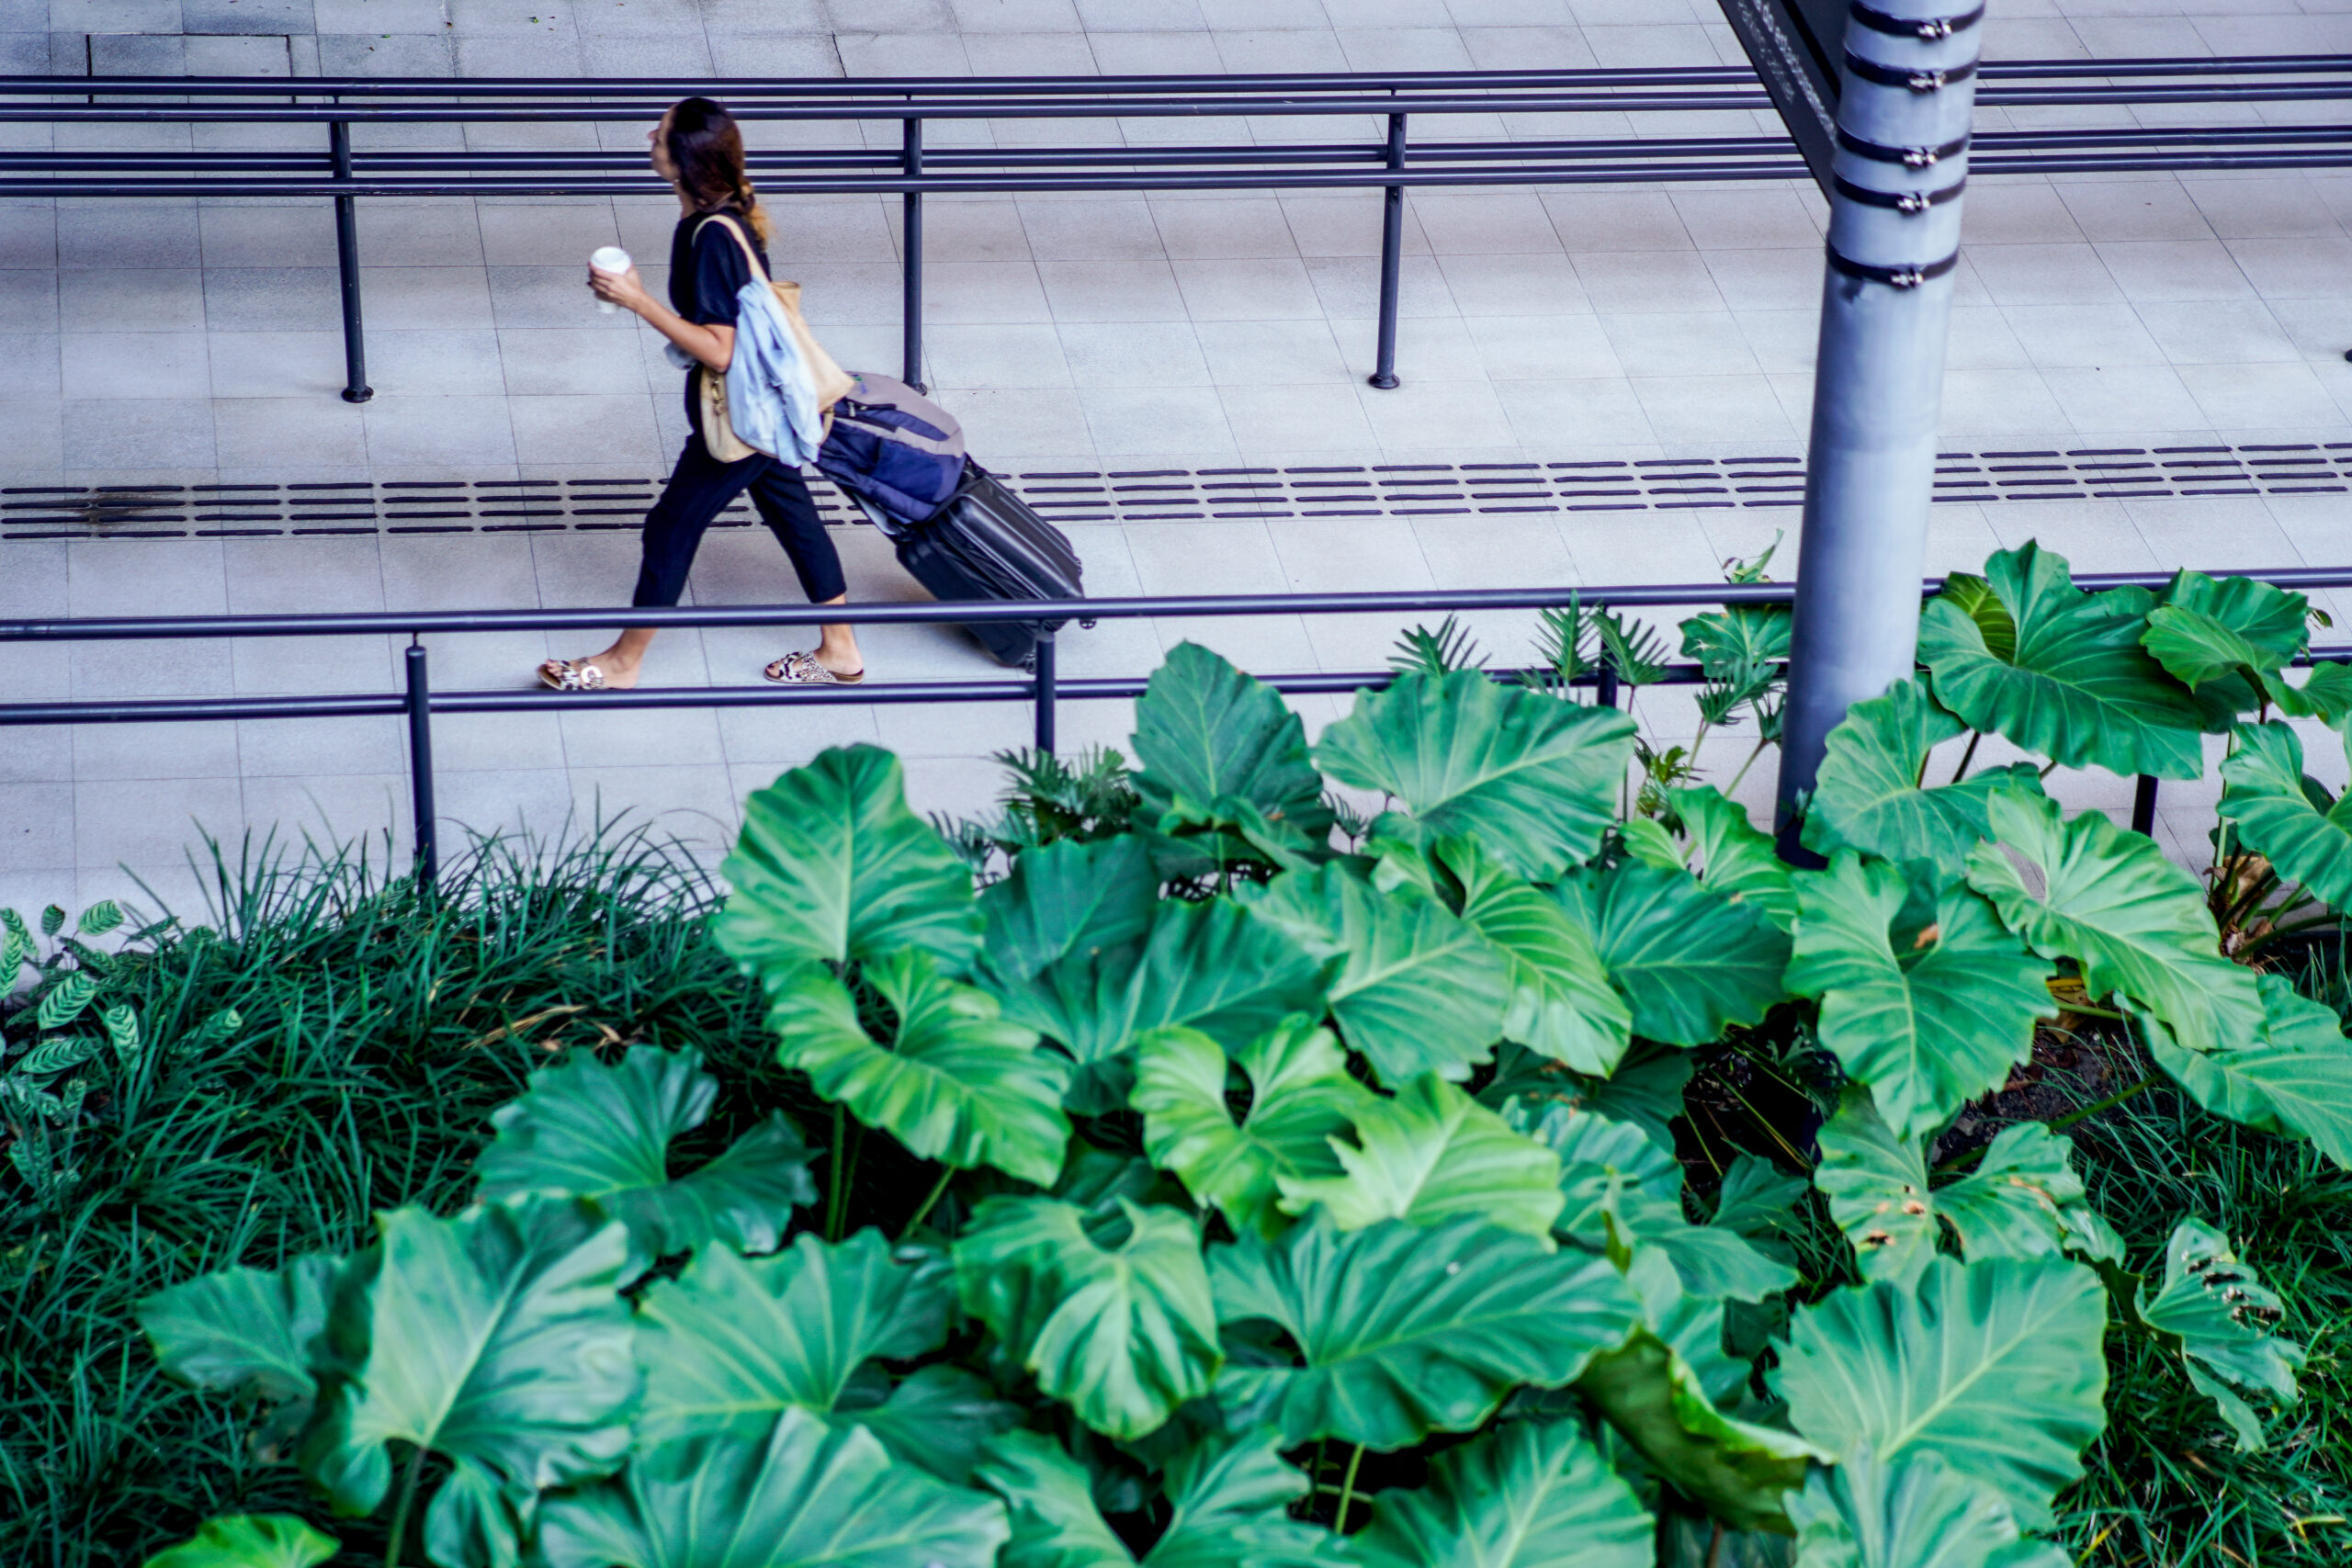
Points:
(378, 1029)
(2166, 1487)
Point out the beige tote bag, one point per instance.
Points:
(830, 380)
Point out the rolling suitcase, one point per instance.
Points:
(986, 542)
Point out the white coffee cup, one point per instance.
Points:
(611, 259)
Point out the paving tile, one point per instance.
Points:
(1647, 280)
(1112, 291)
(126, 299)
(273, 432)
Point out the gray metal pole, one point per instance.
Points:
(1908, 91)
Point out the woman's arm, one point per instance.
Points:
(713, 345)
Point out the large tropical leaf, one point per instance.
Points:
(1870, 793)
(1625, 1193)
(1214, 965)
(1525, 1495)
(249, 1540)
(1924, 997)
(1301, 1097)
(1066, 898)
(2206, 630)
(1417, 989)
(732, 1342)
(2282, 814)
(585, 1130)
(2023, 1200)
(1529, 776)
(2297, 1081)
(1996, 1367)
(940, 1418)
(1737, 638)
(954, 1082)
(2215, 1311)
(244, 1330)
(1428, 1154)
(1229, 1507)
(1689, 964)
(832, 865)
(1661, 1389)
(1204, 731)
(497, 1339)
(1123, 1332)
(2109, 900)
(806, 1497)
(1732, 858)
(1403, 1331)
(2077, 688)
(1561, 1003)
(1917, 1513)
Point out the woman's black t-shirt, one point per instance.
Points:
(706, 272)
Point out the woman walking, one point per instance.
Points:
(698, 149)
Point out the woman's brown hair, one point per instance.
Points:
(706, 148)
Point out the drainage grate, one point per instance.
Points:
(1404, 489)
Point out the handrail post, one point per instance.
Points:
(2144, 805)
(420, 768)
(910, 262)
(1604, 684)
(355, 389)
(1046, 693)
(1392, 260)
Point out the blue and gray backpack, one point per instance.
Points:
(894, 449)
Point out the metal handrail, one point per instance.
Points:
(345, 172)
(417, 702)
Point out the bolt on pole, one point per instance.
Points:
(1907, 93)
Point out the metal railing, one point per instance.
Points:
(346, 171)
(1044, 688)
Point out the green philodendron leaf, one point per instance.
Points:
(1525, 1495)
(1689, 964)
(1925, 996)
(586, 1130)
(1732, 859)
(2263, 791)
(1204, 730)
(1431, 1153)
(1417, 989)
(241, 1330)
(1122, 1333)
(941, 1419)
(2135, 923)
(732, 1342)
(2298, 1082)
(1870, 795)
(1404, 1331)
(2215, 1311)
(1215, 966)
(1227, 1507)
(2079, 688)
(1645, 1089)
(807, 1497)
(1534, 779)
(1760, 1202)
(1067, 899)
(1996, 1367)
(496, 1339)
(1974, 597)
(2022, 1200)
(1654, 1397)
(249, 1540)
(954, 1082)
(1738, 638)
(1561, 1003)
(2207, 630)
(832, 865)
(2325, 694)
(1624, 1195)
(1917, 1513)
(1300, 1099)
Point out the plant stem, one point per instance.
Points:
(400, 1510)
(1348, 1489)
(837, 1175)
(1965, 757)
(1732, 788)
(936, 1192)
(2096, 1106)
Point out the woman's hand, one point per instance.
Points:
(623, 288)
